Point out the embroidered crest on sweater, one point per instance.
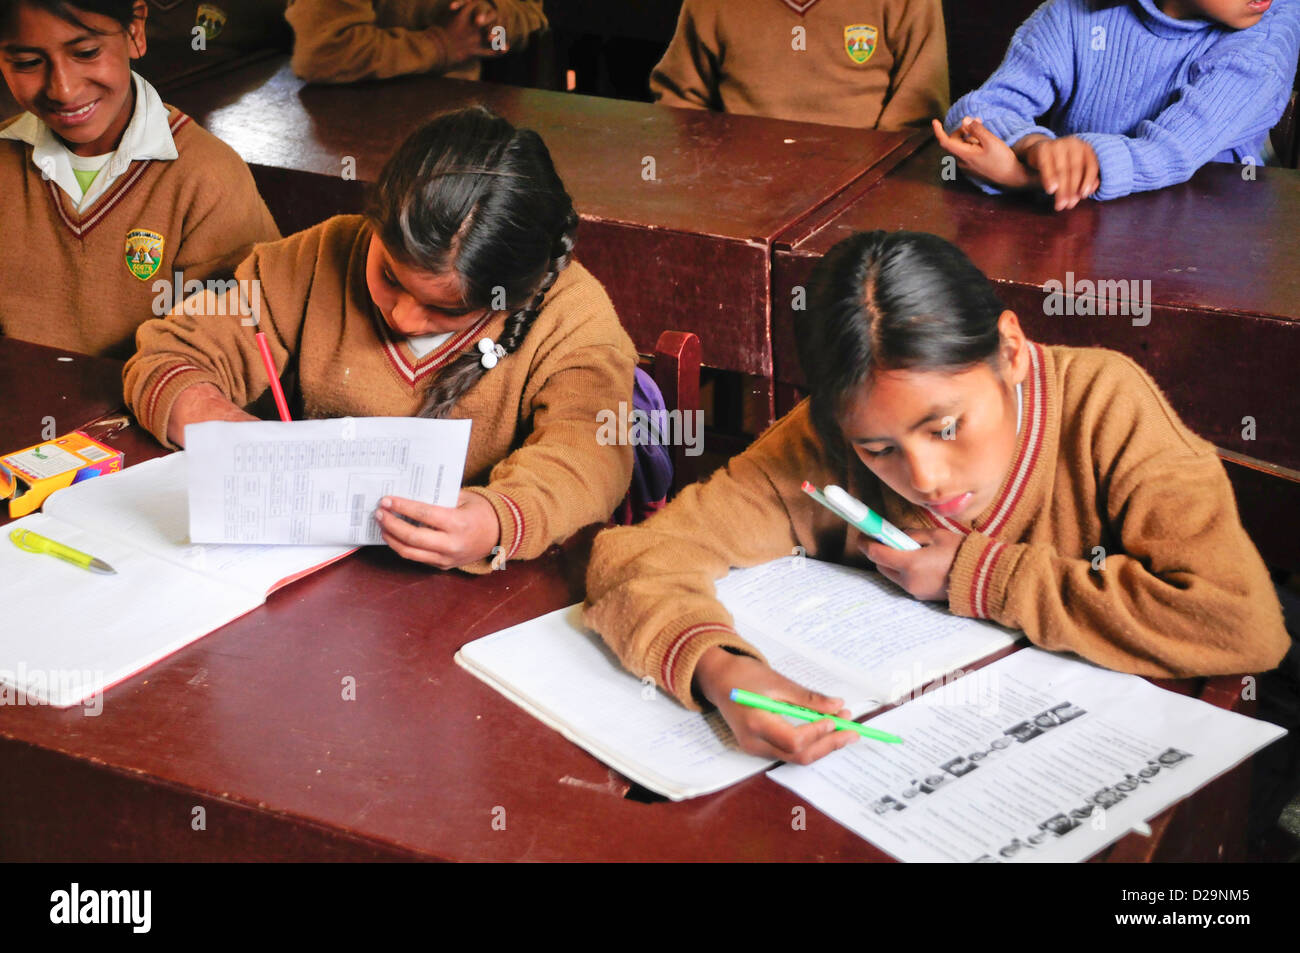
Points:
(144, 252)
(859, 42)
(212, 18)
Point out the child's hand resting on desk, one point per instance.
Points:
(763, 733)
(982, 154)
(467, 32)
(1067, 168)
(198, 403)
(922, 572)
(442, 536)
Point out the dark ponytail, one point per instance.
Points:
(123, 11)
(470, 192)
(889, 301)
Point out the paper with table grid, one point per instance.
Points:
(317, 482)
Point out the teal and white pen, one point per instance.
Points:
(857, 513)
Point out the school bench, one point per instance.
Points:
(242, 747)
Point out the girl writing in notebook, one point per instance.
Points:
(1052, 490)
(107, 191)
(455, 296)
(1132, 95)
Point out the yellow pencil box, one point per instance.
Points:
(28, 476)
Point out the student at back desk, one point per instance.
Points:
(1136, 95)
(881, 64)
(343, 41)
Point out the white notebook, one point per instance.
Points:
(838, 630)
(70, 634)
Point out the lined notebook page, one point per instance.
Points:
(69, 634)
(855, 623)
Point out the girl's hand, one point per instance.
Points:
(467, 32)
(441, 536)
(922, 572)
(198, 403)
(1068, 168)
(763, 733)
(982, 154)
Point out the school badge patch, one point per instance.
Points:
(144, 252)
(859, 42)
(212, 18)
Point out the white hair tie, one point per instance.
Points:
(491, 351)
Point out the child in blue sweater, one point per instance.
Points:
(1103, 98)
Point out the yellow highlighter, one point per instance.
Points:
(36, 543)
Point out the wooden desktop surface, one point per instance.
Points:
(1219, 253)
(250, 725)
(688, 250)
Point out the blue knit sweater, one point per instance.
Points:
(1155, 97)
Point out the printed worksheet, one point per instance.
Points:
(316, 482)
(1037, 757)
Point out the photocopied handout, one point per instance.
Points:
(315, 482)
(1036, 757)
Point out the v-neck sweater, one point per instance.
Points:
(1101, 460)
(534, 451)
(67, 281)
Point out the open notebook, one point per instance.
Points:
(841, 631)
(69, 634)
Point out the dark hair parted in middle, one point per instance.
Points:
(471, 193)
(890, 301)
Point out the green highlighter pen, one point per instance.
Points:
(31, 542)
(753, 700)
(856, 513)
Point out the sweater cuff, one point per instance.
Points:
(977, 583)
(674, 652)
(515, 530)
(1115, 163)
(154, 408)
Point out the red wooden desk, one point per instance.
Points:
(249, 724)
(1219, 252)
(689, 250)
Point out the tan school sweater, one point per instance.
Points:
(533, 452)
(65, 280)
(865, 63)
(1101, 460)
(342, 41)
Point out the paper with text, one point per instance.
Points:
(1037, 757)
(316, 482)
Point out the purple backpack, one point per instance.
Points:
(652, 462)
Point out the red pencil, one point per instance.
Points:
(276, 390)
